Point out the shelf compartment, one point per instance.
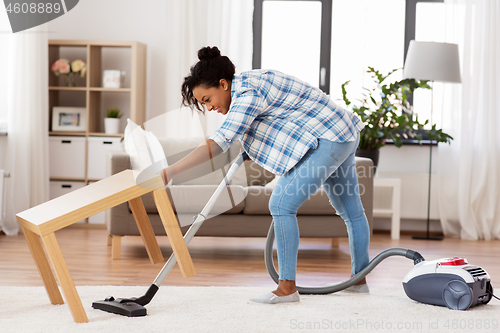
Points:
(110, 58)
(71, 53)
(64, 97)
(100, 101)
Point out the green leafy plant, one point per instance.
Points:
(113, 113)
(387, 114)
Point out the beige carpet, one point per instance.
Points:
(227, 309)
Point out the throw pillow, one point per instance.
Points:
(145, 151)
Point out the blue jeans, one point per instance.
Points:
(332, 165)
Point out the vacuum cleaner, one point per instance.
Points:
(450, 282)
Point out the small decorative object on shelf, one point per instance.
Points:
(113, 79)
(112, 121)
(65, 68)
(72, 119)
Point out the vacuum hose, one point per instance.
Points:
(268, 257)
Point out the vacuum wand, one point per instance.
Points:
(134, 307)
(201, 217)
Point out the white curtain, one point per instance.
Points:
(191, 25)
(27, 107)
(470, 167)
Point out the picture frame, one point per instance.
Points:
(69, 119)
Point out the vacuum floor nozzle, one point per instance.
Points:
(121, 307)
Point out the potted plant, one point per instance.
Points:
(112, 121)
(387, 115)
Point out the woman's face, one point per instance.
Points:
(215, 99)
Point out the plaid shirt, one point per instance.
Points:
(278, 118)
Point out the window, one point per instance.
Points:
(329, 42)
(284, 42)
(294, 37)
(360, 33)
(365, 33)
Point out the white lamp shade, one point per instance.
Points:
(433, 62)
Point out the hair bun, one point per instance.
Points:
(208, 52)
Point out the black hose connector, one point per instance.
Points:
(415, 256)
(145, 299)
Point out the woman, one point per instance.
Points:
(293, 130)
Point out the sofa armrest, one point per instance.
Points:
(117, 161)
(119, 218)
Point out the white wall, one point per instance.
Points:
(126, 20)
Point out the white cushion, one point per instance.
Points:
(145, 151)
(189, 200)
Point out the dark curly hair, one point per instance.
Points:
(208, 71)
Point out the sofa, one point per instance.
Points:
(242, 209)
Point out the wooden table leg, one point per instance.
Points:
(43, 266)
(147, 233)
(65, 280)
(173, 232)
(116, 247)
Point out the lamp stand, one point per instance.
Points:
(427, 235)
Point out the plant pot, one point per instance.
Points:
(111, 125)
(372, 154)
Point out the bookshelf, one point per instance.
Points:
(99, 55)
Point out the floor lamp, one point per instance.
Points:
(435, 62)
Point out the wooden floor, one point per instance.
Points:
(228, 261)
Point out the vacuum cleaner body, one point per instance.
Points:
(450, 282)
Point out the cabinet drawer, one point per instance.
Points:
(58, 188)
(99, 218)
(67, 157)
(98, 148)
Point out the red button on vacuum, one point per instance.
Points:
(455, 261)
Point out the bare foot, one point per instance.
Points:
(285, 287)
(363, 281)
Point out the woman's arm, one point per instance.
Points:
(204, 152)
